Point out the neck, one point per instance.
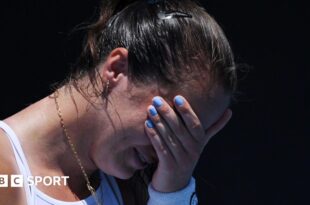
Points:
(43, 140)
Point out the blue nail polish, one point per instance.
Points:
(153, 111)
(178, 100)
(157, 102)
(149, 124)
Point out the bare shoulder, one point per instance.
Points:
(8, 167)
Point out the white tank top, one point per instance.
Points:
(108, 191)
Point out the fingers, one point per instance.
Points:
(160, 147)
(161, 124)
(174, 125)
(189, 117)
(180, 133)
(168, 137)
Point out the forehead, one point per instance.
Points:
(207, 105)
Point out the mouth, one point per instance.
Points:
(142, 158)
(138, 163)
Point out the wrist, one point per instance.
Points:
(184, 196)
(169, 186)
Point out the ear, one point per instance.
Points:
(116, 66)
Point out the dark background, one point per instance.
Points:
(261, 157)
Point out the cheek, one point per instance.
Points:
(137, 137)
(212, 118)
(210, 115)
(216, 114)
(134, 132)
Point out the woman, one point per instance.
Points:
(151, 87)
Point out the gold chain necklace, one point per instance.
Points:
(65, 131)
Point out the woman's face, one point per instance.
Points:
(119, 148)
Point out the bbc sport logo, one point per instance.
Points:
(16, 180)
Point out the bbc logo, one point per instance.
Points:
(19, 180)
(15, 181)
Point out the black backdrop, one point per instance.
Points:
(261, 156)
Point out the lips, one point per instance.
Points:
(145, 158)
(141, 157)
(140, 161)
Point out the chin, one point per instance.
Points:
(120, 172)
(126, 175)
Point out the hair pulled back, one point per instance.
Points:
(162, 51)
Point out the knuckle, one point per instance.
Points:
(156, 119)
(165, 110)
(153, 134)
(173, 143)
(195, 124)
(184, 109)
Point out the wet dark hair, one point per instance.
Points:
(169, 52)
(162, 51)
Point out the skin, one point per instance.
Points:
(105, 138)
(178, 144)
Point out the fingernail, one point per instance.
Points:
(149, 124)
(153, 111)
(157, 102)
(178, 100)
